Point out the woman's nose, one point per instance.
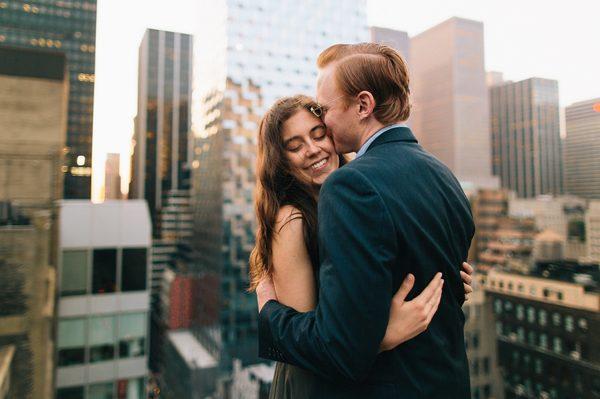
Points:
(312, 149)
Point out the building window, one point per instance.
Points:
(132, 334)
(74, 272)
(498, 306)
(131, 389)
(105, 271)
(544, 341)
(520, 312)
(101, 391)
(557, 344)
(102, 338)
(583, 324)
(569, 323)
(530, 314)
(543, 317)
(71, 342)
(133, 269)
(556, 319)
(70, 393)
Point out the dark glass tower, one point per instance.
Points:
(160, 161)
(68, 26)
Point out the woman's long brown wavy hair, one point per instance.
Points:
(277, 186)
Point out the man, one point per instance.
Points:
(394, 210)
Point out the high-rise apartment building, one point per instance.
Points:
(162, 149)
(582, 149)
(546, 324)
(248, 54)
(33, 124)
(450, 115)
(103, 300)
(70, 27)
(592, 226)
(526, 145)
(396, 39)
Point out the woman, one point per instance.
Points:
(295, 156)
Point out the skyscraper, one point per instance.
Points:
(68, 26)
(33, 115)
(162, 150)
(448, 85)
(582, 149)
(526, 145)
(248, 54)
(396, 39)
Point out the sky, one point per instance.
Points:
(523, 38)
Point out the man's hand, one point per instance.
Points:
(467, 279)
(265, 291)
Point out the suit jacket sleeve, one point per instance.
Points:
(341, 337)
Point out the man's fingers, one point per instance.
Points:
(468, 288)
(466, 278)
(467, 267)
(429, 291)
(405, 287)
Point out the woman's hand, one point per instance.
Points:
(410, 318)
(467, 279)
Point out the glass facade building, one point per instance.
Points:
(160, 161)
(526, 144)
(248, 53)
(70, 27)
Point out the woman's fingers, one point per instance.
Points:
(466, 278)
(435, 303)
(429, 291)
(468, 288)
(405, 287)
(468, 268)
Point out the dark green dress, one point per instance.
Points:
(291, 382)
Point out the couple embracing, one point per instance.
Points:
(358, 265)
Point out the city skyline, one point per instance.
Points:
(121, 27)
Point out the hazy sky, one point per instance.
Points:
(523, 38)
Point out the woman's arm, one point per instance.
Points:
(410, 318)
(293, 274)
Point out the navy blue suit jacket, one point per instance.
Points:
(395, 210)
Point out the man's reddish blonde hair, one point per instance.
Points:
(376, 68)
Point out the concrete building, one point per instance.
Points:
(526, 145)
(546, 323)
(592, 226)
(252, 382)
(192, 370)
(162, 150)
(33, 124)
(565, 215)
(582, 149)
(480, 342)
(450, 115)
(112, 178)
(396, 39)
(69, 27)
(511, 245)
(489, 207)
(248, 55)
(103, 300)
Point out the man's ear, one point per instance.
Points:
(366, 104)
